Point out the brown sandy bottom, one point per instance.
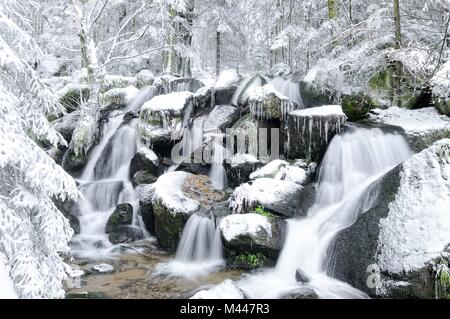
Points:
(134, 277)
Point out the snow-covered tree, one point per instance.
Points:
(33, 232)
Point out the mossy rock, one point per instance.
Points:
(357, 107)
(442, 105)
(410, 95)
(249, 261)
(122, 215)
(168, 226)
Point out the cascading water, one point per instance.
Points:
(105, 182)
(199, 251)
(353, 163)
(289, 89)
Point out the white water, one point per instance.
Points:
(105, 181)
(199, 251)
(289, 89)
(217, 173)
(353, 162)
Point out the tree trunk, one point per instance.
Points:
(218, 43)
(396, 100)
(179, 63)
(331, 9)
(398, 33)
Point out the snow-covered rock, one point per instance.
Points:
(440, 83)
(246, 88)
(164, 117)
(119, 96)
(103, 268)
(267, 103)
(116, 81)
(252, 233)
(225, 290)
(184, 84)
(422, 127)
(239, 167)
(228, 78)
(202, 98)
(404, 232)
(67, 124)
(310, 130)
(270, 170)
(144, 78)
(146, 163)
(220, 118)
(72, 95)
(282, 197)
(177, 195)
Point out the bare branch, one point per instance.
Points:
(125, 57)
(100, 13)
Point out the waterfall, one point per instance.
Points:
(217, 174)
(105, 181)
(199, 251)
(353, 162)
(290, 89)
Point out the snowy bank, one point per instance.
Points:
(422, 127)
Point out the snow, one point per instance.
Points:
(417, 227)
(174, 102)
(259, 94)
(320, 111)
(6, 286)
(120, 95)
(441, 81)
(149, 154)
(169, 190)
(270, 170)
(233, 226)
(240, 159)
(103, 268)
(310, 77)
(412, 121)
(227, 78)
(264, 191)
(225, 290)
(221, 115)
(292, 173)
(117, 81)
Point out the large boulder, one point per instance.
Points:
(85, 136)
(71, 210)
(178, 195)
(221, 118)
(116, 81)
(421, 127)
(73, 95)
(184, 85)
(119, 96)
(239, 167)
(122, 216)
(280, 197)
(145, 194)
(164, 118)
(266, 103)
(301, 293)
(245, 90)
(67, 124)
(144, 78)
(312, 93)
(252, 234)
(391, 249)
(384, 92)
(145, 161)
(357, 106)
(125, 235)
(310, 130)
(225, 87)
(202, 98)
